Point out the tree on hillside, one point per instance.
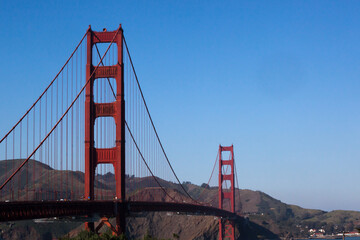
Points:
(87, 235)
(205, 185)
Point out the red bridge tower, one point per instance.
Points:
(226, 192)
(116, 155)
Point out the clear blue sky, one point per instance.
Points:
(278, 79)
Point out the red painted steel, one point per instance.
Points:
(116, 155)
(13, 211)
(226, 227)
(118, 207)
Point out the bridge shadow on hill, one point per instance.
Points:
(251, 230)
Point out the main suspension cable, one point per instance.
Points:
(142, 157)
(61, 118)
(216, 160)
(136, 145)
(42, 94)
(152, 123)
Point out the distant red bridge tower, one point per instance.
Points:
(226, 192)
(115, 155)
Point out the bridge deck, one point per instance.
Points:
(12, 211)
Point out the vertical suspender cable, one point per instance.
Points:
(57, 123)
(152, 123)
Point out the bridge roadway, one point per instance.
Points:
(12, 211)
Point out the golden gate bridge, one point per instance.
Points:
(88, 146)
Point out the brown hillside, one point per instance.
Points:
(258, 209)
